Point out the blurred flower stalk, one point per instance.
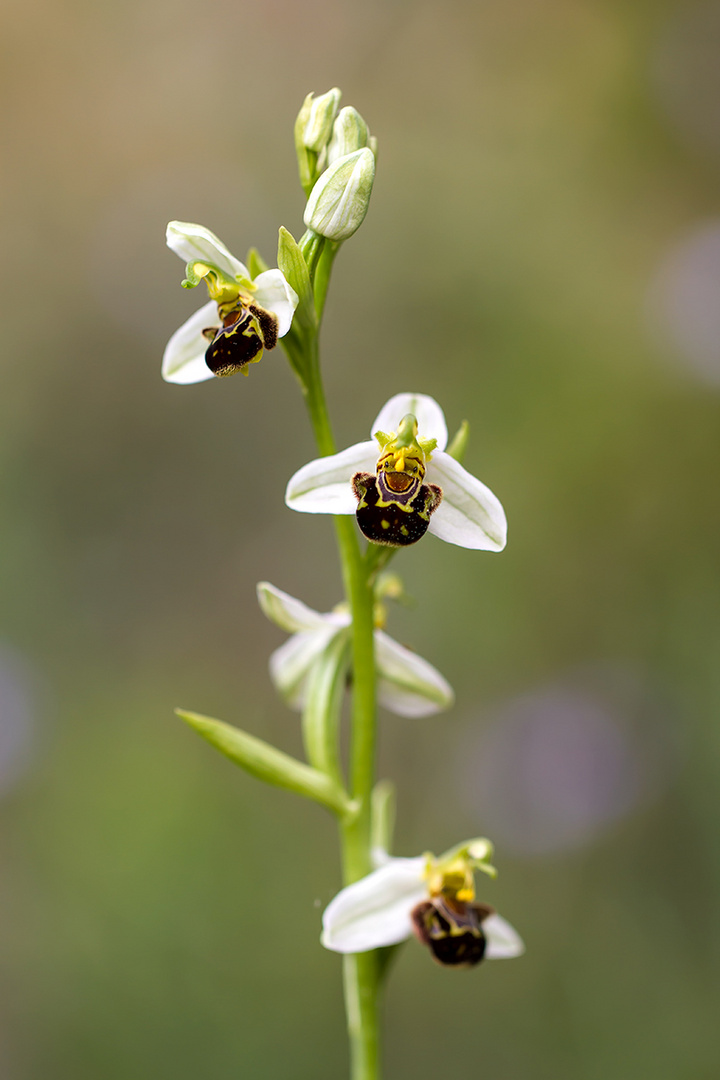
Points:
(404, 482)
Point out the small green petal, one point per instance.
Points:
(256, 263)
(460, 441)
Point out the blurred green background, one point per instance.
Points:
(542, 254)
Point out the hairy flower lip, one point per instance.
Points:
(407, 684)
(469, 516)
(184, 356)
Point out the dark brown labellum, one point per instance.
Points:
(245, 332)
(394, 508)
(452, 930)
(233, 346)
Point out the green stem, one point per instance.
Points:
(322, 276)
(361, 972)
(360, 981)
(377, 558)
(356, 847)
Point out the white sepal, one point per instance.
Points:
(503, 941)
(184, 357)
(290, 665)
(323, 485)
(286, 612)
(275, 294)
(195, 243)
(469, 514)
(427, 412)
(375, 911)
(407, 684)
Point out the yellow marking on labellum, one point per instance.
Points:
(385, 524)
(393, 461)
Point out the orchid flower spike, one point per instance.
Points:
(242, 317)
(407, 684)
(413, 486)
(434, 899)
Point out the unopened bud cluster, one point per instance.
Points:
(336, 161)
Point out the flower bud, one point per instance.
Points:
(318, 115)
(350, 132)
(339, 200)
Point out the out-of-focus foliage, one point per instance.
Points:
(541, 255)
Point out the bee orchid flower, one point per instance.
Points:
(433, 899)
(242, 317)
(401, 483)
(407, 684)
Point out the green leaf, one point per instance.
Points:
(269, 764)
(292, 263)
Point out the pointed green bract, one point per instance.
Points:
(383, 816)
(294, 267)
(321, 714)
(269, 764)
